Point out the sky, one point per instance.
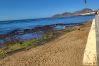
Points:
(31, 9)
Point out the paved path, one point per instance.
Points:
(90, 50)
(97, 37)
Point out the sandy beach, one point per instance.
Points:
(67, 50)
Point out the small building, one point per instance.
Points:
(96, 11)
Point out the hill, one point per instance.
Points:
(76, 13)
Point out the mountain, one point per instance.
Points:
(86, 10)
(63, 14)
(76, 13)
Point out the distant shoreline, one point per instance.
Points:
(43, 18)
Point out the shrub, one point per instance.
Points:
(3, 53)
(28, 43)
(14, 47)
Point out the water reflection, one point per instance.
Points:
(59, 27)
(2, 40)
(29, 36)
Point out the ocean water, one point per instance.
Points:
(8, 26)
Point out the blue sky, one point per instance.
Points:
(23, 9)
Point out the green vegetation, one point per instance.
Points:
(33, 42)
(3, 53)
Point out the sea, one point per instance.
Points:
(10, 25)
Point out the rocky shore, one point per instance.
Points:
(66, 50)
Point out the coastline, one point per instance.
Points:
(55, 52)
